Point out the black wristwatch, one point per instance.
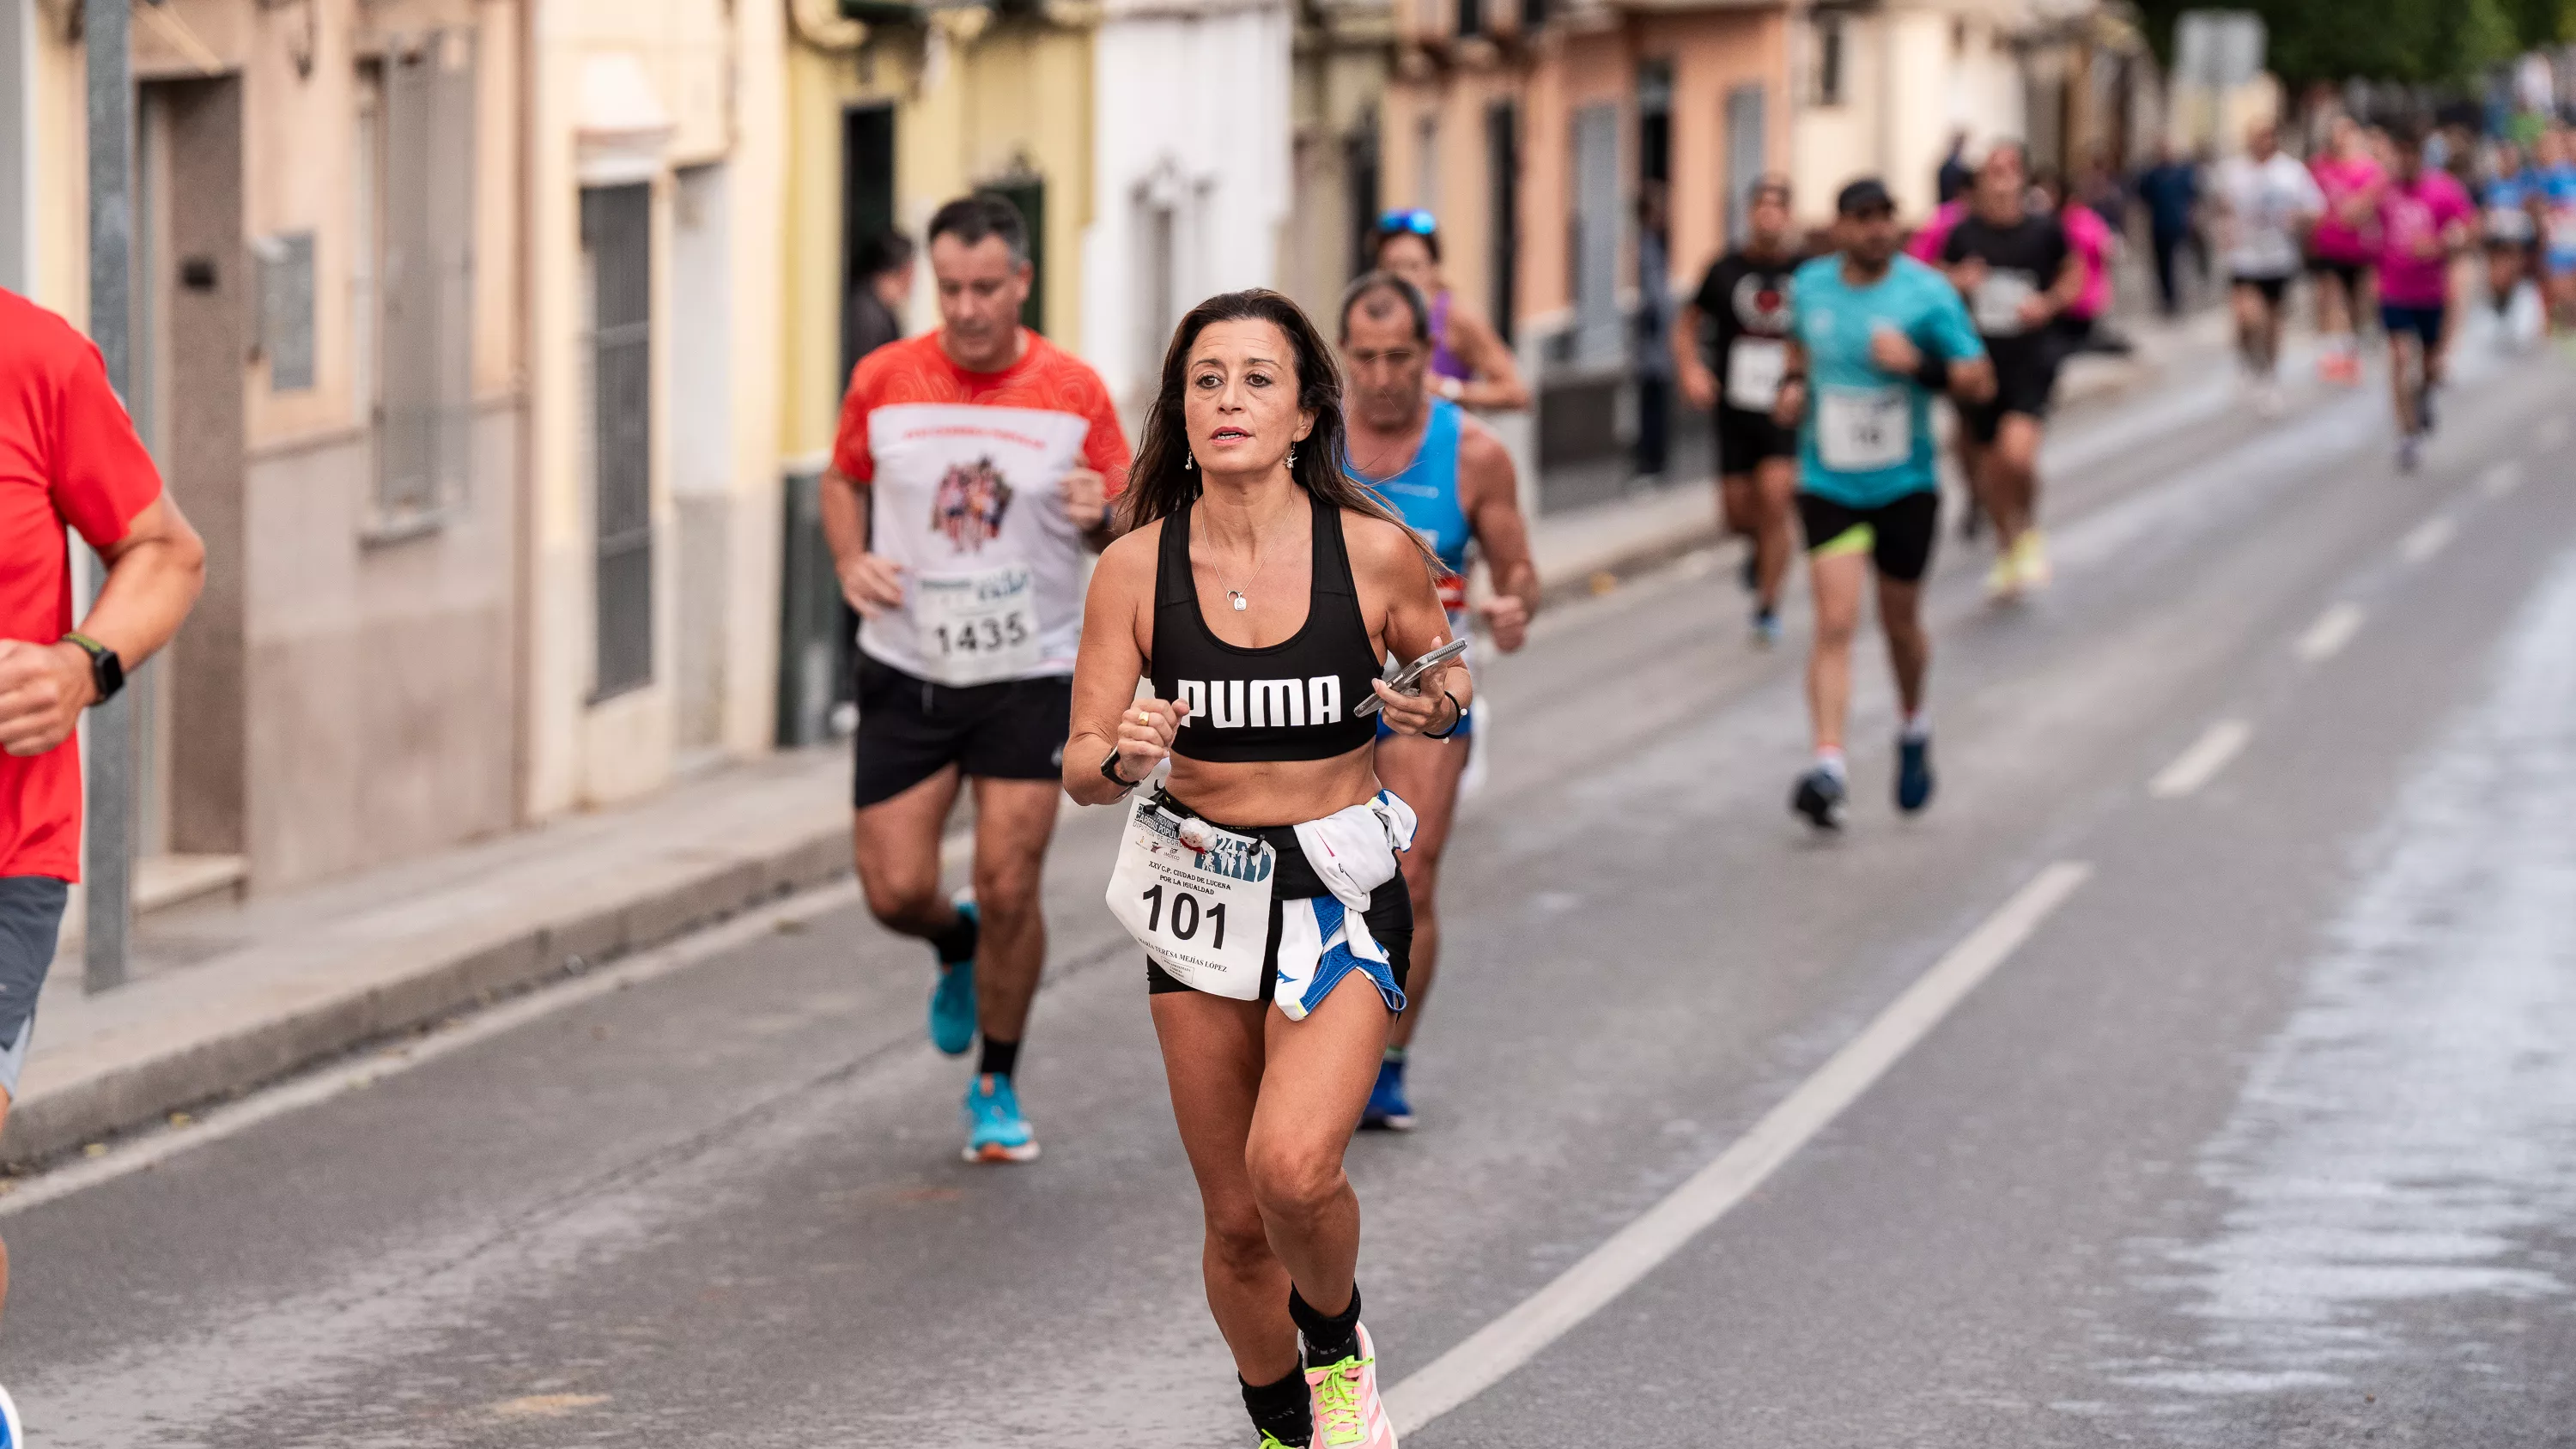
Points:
(1109, 768)
(106, 671)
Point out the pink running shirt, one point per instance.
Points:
(2411, 222)
(2335, 238)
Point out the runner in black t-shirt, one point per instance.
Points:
(1743, 307)
(2018, 272)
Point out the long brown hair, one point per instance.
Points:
(1158, 486)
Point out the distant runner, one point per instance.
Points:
(2019, 274)
(1742, 310)
(2268, 202)
(1470, 362)
(973, 467)
(2424, 220)
(2341, 246)
(1453, 486)
(1874, 336)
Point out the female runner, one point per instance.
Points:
(1258, 589)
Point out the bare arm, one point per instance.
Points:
(872, 583)
(1107, 716)
(1973, 381)
(153, 576)
(1698, 381)
(1791, 404)
(1389, 565)
(1497, 381)
(1489, 491)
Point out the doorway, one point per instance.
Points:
(867, 209)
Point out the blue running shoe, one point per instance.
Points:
(952, 1001)
(1387, 1109)
(995, 1130)
(1766, 628)
(1819, 798)
(1913, 773)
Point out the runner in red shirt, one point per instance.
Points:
(69, 460)
(973, 467)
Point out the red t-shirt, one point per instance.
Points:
(917, 370)
(68, 458)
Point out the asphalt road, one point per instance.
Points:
(2200, 1070)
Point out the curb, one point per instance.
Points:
(53, 1122)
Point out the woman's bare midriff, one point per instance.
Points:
(1274, 792)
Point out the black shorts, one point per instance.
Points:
(2351, 274)
(31, 916)
(1897, 535)
(911, 729)
(2272, 288)
(1746, 439)
(1389, 916)
(2025, 376)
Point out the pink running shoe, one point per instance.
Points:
(1348, 1412)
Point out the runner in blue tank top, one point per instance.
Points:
(1453, 484)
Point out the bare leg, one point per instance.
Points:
(1424, 774)
(1776, 486)
(1837, 580)
(1318, 1079)
(1213, 1056)
(1909, 645)
(2012, 476)
(895, 843)
(1014, 819)
(2402, 361)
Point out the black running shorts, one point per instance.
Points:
(1896, 535)
(1745, 439)
(1389, 916)
(2272, 288)
(2025, 376)
(911, 729)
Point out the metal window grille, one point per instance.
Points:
(1027, 191)
(616, 232)
(424, 403)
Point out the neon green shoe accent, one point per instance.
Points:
(1859, 538)
(1338, 1419)
(1270, 1441)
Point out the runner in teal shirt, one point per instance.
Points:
(1872, 336)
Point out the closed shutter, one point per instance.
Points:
(617, 238)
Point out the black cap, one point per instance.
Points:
(1865, 195)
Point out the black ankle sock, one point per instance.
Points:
(999, 1058)
(957, 943)
(1330, 1338)
(1282, 1410)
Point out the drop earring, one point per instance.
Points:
(1188, 462)
(1292, 455)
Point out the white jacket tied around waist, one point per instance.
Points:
(1324, 939)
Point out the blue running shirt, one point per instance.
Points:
(1866, 439)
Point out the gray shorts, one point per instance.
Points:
(31, 917)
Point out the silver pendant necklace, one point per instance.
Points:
(1235, 597)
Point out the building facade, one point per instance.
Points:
(1343, 53)
(1530, 130)
(1192, 164)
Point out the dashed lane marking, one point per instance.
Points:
(2427, 539)
(1495, 1350)
(2333, 629)
(2200, 764)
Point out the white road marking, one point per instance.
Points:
(2501, 479)
(1495, 1350)
(2200, 764)
(294, 1095)
(2428, 538)
(2333, 629)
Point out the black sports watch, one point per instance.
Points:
(1109, 768)
(106, 671)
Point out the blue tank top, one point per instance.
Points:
(1425, 496)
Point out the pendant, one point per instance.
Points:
(1240, 602)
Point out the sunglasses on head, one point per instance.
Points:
(1416, 221)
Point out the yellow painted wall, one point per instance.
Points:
(974, 101)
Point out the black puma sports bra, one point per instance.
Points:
(1287, 701)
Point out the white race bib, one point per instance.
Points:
(1196, 898)
(1754, 367)
(1997, 304)
(977, 628)
(1863, 429)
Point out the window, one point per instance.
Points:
(414, 283)
(617, 255)
(1829, 60)
(1471, 17)
(1027, 191)
(1533, 15)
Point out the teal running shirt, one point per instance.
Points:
(1866, 439)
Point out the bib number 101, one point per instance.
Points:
(1187, 915)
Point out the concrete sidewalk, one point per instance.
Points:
(229, 995)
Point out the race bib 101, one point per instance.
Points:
(1863, 429)
(1196, 898)
(977, 628)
